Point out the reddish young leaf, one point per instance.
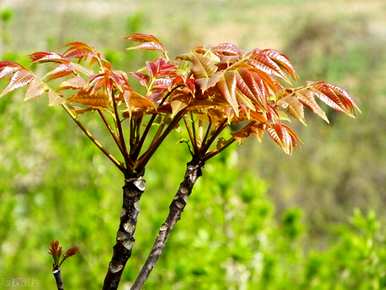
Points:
(19, 79)
(71, 252)
(75, 83)
(227, 87)
(60, 71)
(147, 42)
(281, 60)
(284, 136)
(7, 68)
(227, 52)
(97, 100)
(306, 97)
(135, 102)
(43, 56)
(161, 68)
(293, 106)
(142, 78)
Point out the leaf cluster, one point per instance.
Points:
(209, 89)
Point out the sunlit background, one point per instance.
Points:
(314, 220)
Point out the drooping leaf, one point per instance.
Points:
(335, 97)
(284, 136)
(282, 60)
(43, 56)
(136, 102)
(268, 66)
(35, 89)
(19, 79)
(252, 87)
(80, 51)
(98, 100)
(142, 78)
(293, 106)
(147, 42)
(7, 68)
(75, 83)
(59, 72)
(306, 97)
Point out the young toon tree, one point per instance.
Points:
(236, 95)
(58, 258)
(209, 89)
(83, 81)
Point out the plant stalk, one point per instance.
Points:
(192, 173)
(94, 140)
(132, 192)
(58, 278)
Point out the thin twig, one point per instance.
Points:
(132, 133)
(139, 145)
(158, 133)
(58, 278)
(111, 131)
(205, 147)
(193, 130)
(207, 130)
(94, 140)
(148, 153)
(120, 132)
(138, 129)
(190, 134)
(217, 151)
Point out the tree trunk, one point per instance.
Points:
(132, 191)
(192, 173)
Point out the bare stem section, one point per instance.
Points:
(58, 279)
(132, 192)
(192, 173)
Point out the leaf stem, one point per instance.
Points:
(139, 145)
(157, 142)
(58, 278)
(205, 146)
(190, 135)
(120, 132)
(217, 151)
(108, 127)
(94, 140)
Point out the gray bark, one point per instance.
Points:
(132, 191)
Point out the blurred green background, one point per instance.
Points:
(257, 219)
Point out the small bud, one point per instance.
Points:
(55, 250)
(71, 252)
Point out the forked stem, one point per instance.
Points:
(192, 173)
(177, 206)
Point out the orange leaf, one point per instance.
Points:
(35, 89)
(147, 42)
(227, 87)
